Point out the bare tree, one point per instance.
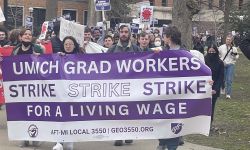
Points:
(15, 14)
(93, 16)
(120, 9)
(224, 5)
(183, 12)
(5, 5)
(228, 6)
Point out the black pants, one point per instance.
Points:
(214, 99)
(171, 143)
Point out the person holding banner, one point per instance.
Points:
(124, 45)
(87, 39)
(172, 38)
(70, 46)
(27, 47)
(143, 40)
(89, 46)
(108, 41)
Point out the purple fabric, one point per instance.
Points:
(19, 111)
(9, 75)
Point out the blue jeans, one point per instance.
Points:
(171, 144)
(228, 77)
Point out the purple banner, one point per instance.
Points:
(87, 111)
(103, 66)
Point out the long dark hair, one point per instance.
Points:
(214, 46)
(212, 59)
(76, 49)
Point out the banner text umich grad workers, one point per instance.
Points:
(98, 97)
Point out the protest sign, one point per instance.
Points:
(29, 22)
(134, 28)
(6, 51)
(146, 14)
(48, 47)
(2, 18)
(44, 30)
(93, 47)
(102, 5)
(70, 28)
(98, 97)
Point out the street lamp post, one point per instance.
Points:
(31, 15)
(241, 22)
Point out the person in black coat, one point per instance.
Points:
(245, 46)
(216, 65)
(57, 45)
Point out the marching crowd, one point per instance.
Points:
(220, 59)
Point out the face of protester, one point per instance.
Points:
(27, 36)
(69, 46)
(166, 40)
(87, 36)
(2, 35)
(53, 34)
(152, 37)
(96, 34)
(229, 41)
(108, 42)
(157, 42)
(133, 39)
(124, 34)
(116, 39)
(144, 41)
(156, 33)
(211, 50)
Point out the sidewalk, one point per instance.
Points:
(5, 144)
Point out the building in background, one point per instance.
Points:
(19, 9)
(209, 18)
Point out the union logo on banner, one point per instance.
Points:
(146, 15)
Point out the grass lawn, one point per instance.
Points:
(232, 117)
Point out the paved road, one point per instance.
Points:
(5, 144)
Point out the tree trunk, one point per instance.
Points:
(228, 6)
(182, 19)
(51, 9)
(93, 16)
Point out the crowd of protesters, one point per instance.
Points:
(220, 59)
